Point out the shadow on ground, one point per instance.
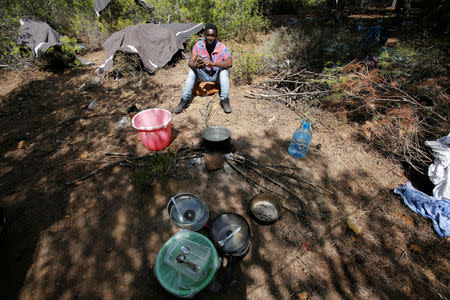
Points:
(100, 238)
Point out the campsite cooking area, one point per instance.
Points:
(80, 227)
(99, 237)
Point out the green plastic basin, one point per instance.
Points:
(176, 282)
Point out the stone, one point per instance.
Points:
(49, 148)
(415, 249)
(353, 227)
(95, 81)
(22, 145)
(213, 161)
(392, 41)
(398, 251)
(408, 220)
(302, 295)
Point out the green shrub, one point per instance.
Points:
(411, 63)
(191, 42)
(145, 171)
(289, 6)
(238, 19)
(14, 56)
(62, 55)
(313, 46)
(246, 66)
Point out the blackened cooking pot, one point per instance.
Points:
(217, 139)
(230, 234)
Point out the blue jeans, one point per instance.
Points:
(200, 75)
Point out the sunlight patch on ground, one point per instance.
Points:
(121, 225)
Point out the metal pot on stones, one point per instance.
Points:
(217, 139)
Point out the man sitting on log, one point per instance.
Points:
(209, 62)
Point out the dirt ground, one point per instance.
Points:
(99, 239)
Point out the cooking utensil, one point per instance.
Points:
(178, 278)
(217, 139)
(187, 211)
(265, 208)
(181, 258)
(185, 250)
(222, 242)
(216, 134)
(176, 209)
(237, 246)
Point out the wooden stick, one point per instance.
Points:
(288, 94)
(119, 154)
(261, 186)
(247, 178)
(407, 98)
(207, 112)
(289, 81)
(108, 166)
(298, 113)
(95, 172)
(242, 159)
(91, 160)
(278, 184)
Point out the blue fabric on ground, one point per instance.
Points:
(429, 207)
(372, 34)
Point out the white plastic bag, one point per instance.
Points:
(439, 170)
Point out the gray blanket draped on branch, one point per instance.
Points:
(154, 43)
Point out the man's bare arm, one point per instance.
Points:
(227, 63)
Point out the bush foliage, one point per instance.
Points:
(77, 19)
(247, 65)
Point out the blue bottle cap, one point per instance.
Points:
(306, 125)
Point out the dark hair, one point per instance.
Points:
(211, 26)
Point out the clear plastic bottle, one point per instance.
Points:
(300, 141)
(92, 105)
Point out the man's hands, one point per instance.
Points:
(198, 62)
(202, 62)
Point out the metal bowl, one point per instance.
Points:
(265, 208)
(216, 134)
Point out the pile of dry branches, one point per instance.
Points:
(394, 118)
(296, 88)
(398, 120)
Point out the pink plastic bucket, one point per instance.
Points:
(153, 126)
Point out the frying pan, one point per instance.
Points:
(232, 247)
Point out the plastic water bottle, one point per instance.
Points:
(300, 141)
(92, 105)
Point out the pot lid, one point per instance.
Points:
(226, 224)
(187, 211)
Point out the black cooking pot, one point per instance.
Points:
(230, 234)
(217, 139)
